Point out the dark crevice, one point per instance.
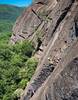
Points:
(22, 36)
(37, 15)
(39, 44)
(76, 29)
(62, 16)
(14, 34)
(59, 20)
(30, 34)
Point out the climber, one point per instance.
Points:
(50, 60)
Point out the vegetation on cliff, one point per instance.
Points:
(16, 68)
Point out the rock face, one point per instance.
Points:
(42, 1)
(52, 25)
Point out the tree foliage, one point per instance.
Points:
(16, 68)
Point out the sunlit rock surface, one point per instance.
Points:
(52, 26)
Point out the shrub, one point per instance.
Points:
(23, 83)
(17, 60)
(27, 48)
(31, 66)
(17, 93)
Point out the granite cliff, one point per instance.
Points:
(52, 26)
